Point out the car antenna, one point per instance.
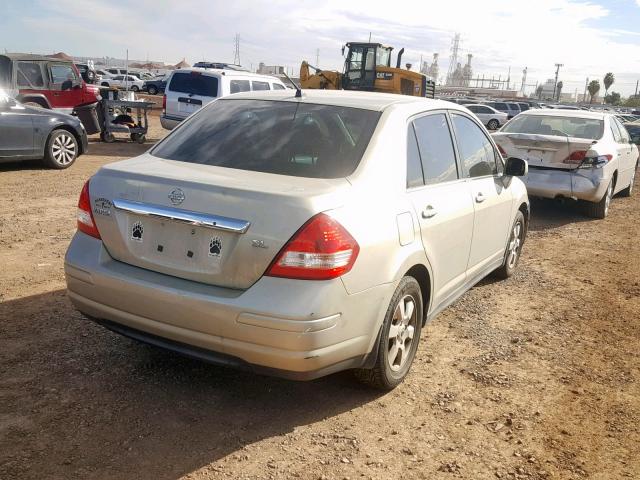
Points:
(297, 87)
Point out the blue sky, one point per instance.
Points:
(590, 37)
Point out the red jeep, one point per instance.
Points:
(46, 82)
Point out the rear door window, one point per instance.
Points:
(477, 155)
(194, 83)
(236, 86)
(436, 148)
(29, 75)
(63, 76)
(284, 138)
(255, 85)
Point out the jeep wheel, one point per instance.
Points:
(398, 339)
(62, 150)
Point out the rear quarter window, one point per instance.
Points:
(255, 85)
(236, 86)
(194, 83)
(277, 86)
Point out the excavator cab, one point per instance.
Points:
(361, 62)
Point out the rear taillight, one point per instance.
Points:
(596, 162)
(576, 157)
(164, 104)
(322, 249)
(86, 223)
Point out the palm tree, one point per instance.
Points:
(593, 88)
(559, 90)
(609, 78)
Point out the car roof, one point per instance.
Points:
(226, 72)
(31, 57)
(346, 98)
(555, 112)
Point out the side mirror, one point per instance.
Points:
(516, 167)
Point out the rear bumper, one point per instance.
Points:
(296, 329)
(580, 184)
(169, 122)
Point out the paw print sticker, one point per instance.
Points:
(136, 232)
(215, 247)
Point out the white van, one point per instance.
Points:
(189, 89)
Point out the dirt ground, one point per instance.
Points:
(535, 377)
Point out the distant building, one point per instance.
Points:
(270, 69)
(548, 88)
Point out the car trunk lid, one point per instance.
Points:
(545, 151)
(209, 224)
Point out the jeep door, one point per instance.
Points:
(66, 86)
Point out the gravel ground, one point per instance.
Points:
(535, 377)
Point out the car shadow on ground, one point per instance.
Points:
(122, 147)
(549, 214)
(81, 402)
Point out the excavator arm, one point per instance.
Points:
(322, 79)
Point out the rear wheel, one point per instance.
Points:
(399, 338)
(629, 190)
(62, 150)
(138, 137)
(493, 124)
(152, 90)
(600, 209)
(107, 137)
(134, 88)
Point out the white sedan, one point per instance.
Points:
(586, 156)
(128, 82)
(489, 116)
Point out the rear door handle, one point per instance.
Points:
(429, 212)
(480, 197)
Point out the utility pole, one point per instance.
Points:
(555, 83)
(236, 49)
(636, 94)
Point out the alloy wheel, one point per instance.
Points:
(63, 149)
(514, 245)
(607, 200)
(401, 332)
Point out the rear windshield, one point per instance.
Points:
(500, 106)
(194, 83)
(285, 138)
(588, 128)
(514, 106)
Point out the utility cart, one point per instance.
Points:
(124, 116)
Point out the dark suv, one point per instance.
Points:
(45, 82)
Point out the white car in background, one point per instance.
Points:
(128, 82)
(190, 89)
(491, 118)
(585, 156)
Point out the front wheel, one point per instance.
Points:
(134, 88)
(601, 209)
(493, 124)
(629, 190)
(152, 90)
(398, 339)
(514, 248)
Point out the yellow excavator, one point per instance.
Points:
(368, 67)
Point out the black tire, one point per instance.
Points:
(513, 250)
(107, 137)
(62, 150)
(600, 209)
(493, 124)
(627, 192)
(153, 90)
(134, 88)
(138, 137)
(383, 376)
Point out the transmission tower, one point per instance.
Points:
(453, 58)
(236, 49)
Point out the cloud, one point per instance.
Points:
(500, 34)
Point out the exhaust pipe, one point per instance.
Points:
(398, 63)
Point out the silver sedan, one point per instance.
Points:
(299, 236)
